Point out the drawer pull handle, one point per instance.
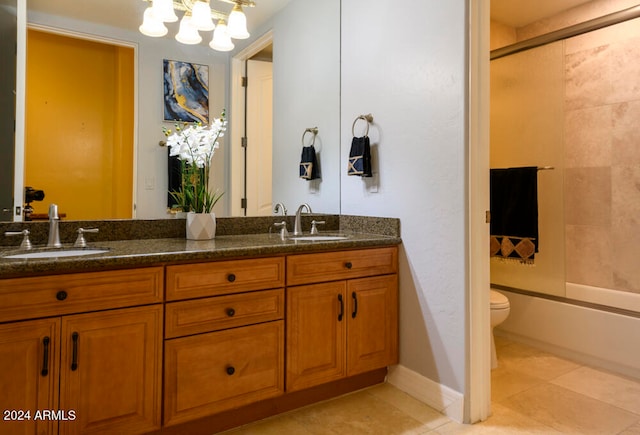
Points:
(231, 277)
(45, 360)
(348, 265)
(61, 295)
(230, 370)
(354, 313)
(74, 359)
(341, 308)
(231, 312)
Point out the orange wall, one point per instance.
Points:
(79, 126)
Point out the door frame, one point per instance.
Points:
(237, 116)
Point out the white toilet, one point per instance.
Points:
(499, 312)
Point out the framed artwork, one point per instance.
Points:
(186, 91)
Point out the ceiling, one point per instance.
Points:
(518, 13)
(127, 14)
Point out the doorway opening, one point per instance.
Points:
(251, 135)
(79, 127)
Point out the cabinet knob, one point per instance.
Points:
(348, 265)
(230, 370)
(61, 295)
(231, 277)
(231, 312)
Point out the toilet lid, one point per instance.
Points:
(498, 300)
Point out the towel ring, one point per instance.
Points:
(367, 118)
(313, 130)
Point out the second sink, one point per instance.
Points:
(57, 253)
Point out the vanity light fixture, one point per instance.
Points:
(198, 16)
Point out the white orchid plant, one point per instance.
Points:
(195, 145)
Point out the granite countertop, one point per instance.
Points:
(148, 252)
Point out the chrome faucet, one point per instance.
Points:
(297, 227)
(54, 232)
(280, 208)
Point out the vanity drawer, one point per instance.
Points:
(331, 266)
(209, 373)
(222, 312)
(188, 281)
(25, 298)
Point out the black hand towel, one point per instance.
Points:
(360, 157)
(308, 163)
(514, 213)
(174, 167)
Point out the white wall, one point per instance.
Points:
(406, 65)
(306, 93)
(151, 172)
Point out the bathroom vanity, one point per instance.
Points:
(172, 336)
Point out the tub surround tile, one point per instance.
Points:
(587, 194)
(625, 58)
(588, 78)
(626, 135)
(588, 137)
(631, 430)
(588, 258)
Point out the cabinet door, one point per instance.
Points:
(372, 340)
(209, 373)
(28, 375)
(316, 334)
(110, 371)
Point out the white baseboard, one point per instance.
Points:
(440, 397)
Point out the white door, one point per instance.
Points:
(259, 137)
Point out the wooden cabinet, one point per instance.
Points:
(344, 327)
(29, 352)
(225, 350)
(97, 372)
(110, 371)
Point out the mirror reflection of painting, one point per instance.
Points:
(186, 92)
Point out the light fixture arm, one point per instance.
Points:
(187, 5)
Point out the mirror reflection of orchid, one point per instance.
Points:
(194, 145)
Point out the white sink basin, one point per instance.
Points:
(58, 253)
(318, 238)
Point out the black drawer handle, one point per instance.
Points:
(74, 359)
(231, 312)
(45, 360)
(231, 277)
(61, 295)
(230, 370)
(354, 313)
(341, 308)
(348, 265)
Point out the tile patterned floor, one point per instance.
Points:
(533, 392)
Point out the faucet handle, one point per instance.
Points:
(26, 243)
(314, 228)
(284, 233)
(80, 241)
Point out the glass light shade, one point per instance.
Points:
(238, 23)
(187, 33)
(201, 16)
(151, 26)
(221, 40)
(163, 11)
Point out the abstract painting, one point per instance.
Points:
(186, 92)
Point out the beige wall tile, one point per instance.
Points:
(625, 58)
(587, 137)
(587, 196)
(588, 76)
(625, 142)
(625, 235)
(588, 259)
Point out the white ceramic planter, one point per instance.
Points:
(201, 226)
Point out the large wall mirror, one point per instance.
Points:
(305, 93)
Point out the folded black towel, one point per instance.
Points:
(174, 167)
(309, 163)
(360, 157)
(514, 213)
